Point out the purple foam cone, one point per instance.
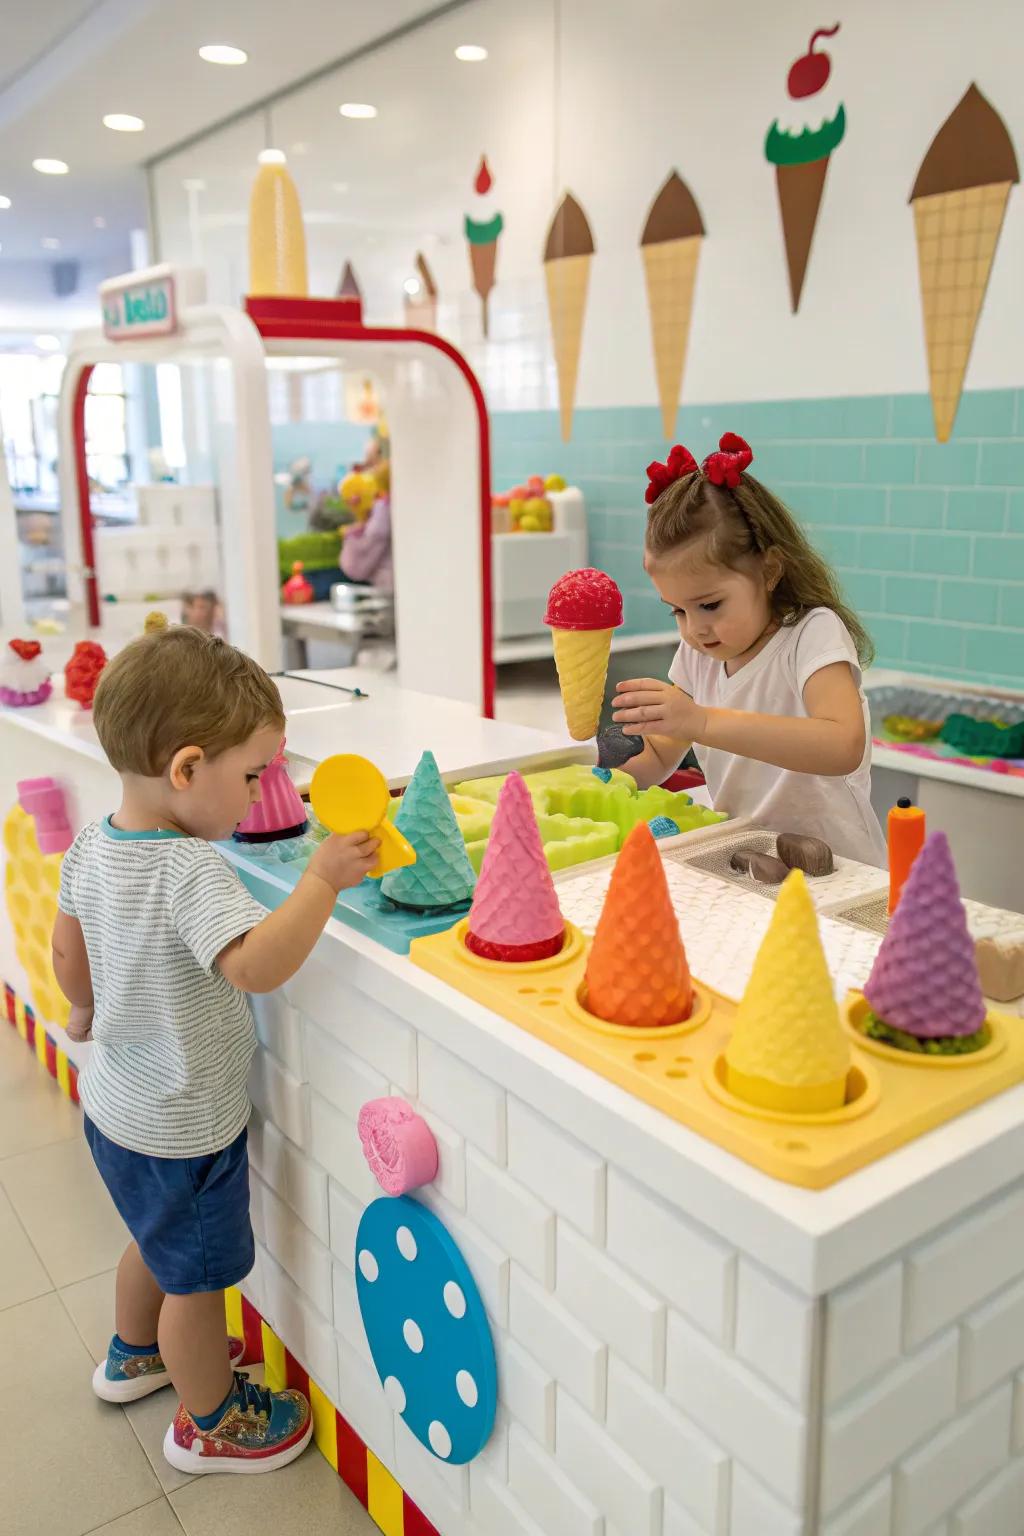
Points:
(925, 978)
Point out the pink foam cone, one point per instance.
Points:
(515, 914)
(925, 978)
(280, 811)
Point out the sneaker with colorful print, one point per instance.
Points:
(128, 1374)
(259, 1431)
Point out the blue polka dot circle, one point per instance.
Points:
(426, 1328)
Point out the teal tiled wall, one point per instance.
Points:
(927, 537)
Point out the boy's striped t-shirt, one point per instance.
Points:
(172, 1039)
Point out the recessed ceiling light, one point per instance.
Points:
(470, 53)
(272, 157)
(99, 222)
(222, 53)
(50, 167)
(50, 243)
(123, 122)
(47, 343)
(357, 109)
(5, 202)
(412, 286)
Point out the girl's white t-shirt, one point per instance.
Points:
(837, 809)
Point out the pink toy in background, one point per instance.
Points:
(515, 916)
(280, 811)
(24, 675)
(398, 1144)
(43, 800)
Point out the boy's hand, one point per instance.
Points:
(345, 861)
(79, 1025)
(646, 706)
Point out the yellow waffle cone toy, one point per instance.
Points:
(788, 1051)
(277, 237)
(584, 607)
(581, 657)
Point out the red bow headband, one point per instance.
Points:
(722, 468)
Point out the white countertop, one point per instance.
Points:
(391, 726)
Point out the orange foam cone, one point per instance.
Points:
(637, 972)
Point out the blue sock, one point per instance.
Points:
(135, 1349)
(207, 1421)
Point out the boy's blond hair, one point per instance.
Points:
(176, 688)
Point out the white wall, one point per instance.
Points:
(608, 106)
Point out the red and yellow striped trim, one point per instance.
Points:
(368, 1478)
(56, 1061)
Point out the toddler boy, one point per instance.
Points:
(156, 944)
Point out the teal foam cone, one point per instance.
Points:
(442, 875)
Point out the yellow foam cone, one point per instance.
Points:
(670, 267)
(581, 656)
(277, 237)
(957, 233)
(788, 1051)
(568, 278)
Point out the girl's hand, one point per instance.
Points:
(79, 1025)
(646, 706)
(345, 861)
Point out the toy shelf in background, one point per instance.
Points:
(528, 560)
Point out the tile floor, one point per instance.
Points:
(70, 1464)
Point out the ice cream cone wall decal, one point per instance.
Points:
(801, 161)
(670, 246)
(348, 283)
(567, 258)
(421, 297)
(277, 236)
(482, 232)
(959, 201)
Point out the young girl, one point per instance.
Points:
(766, 685)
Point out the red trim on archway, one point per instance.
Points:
(92, 600)
(288, 319)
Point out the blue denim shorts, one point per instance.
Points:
(189, 1215)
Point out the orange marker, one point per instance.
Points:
(906, 839)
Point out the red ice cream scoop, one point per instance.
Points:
(586, 599)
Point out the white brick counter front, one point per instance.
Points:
(685, 1347)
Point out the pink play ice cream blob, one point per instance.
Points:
(280, 811)
(43, 800)
(515, 914)
(398, 1144)
(925, 978)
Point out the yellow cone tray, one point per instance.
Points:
(892, 1097)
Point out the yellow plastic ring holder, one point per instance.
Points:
(349, 794)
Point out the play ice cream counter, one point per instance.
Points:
(644, 1201)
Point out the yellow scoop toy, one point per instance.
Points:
(348, 794)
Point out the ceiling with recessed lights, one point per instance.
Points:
(68, 64)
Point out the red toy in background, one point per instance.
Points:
(297, 589)
(82, 672)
